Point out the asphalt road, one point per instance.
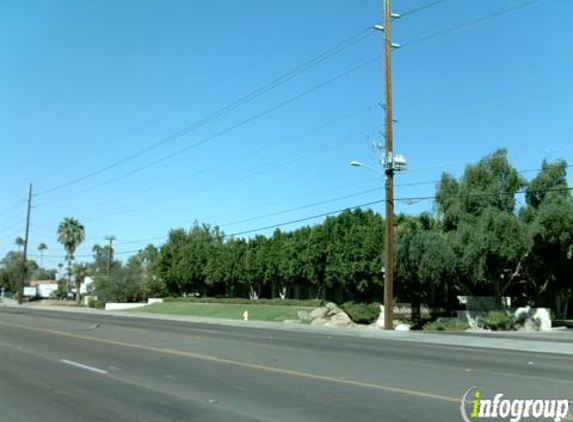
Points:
(57, 366)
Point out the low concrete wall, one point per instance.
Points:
(121, 306)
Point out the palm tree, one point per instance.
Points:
(60, 265)
(19, 242)
(70, 234)
(42, 247)
(80, 271)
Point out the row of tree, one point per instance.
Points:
(477, 241)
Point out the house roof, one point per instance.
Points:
(35, 283)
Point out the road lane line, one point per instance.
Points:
(183, 353)
(81, 366)
(308, 375)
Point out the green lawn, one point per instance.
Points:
(256, 312)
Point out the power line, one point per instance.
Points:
(326, 201)
(366, 204)
(300, 220)
(407, 200)
(468, 24)
(351, 39)
(423, 7)
(235, 126)
(11, 220)
(226, 109)
(245, 173)
(402, 199)
(11, 206)
(325, 214)
(224, 163)
(470, 162)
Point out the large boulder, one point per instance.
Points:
(329, 315)
(533, 319)
(303, 315)
(318, 313)
(340, 319)
(319, 321)
(332, 307)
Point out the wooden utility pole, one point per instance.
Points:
(25, 253)
(109, 252)
(389, 170)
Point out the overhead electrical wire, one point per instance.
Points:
(404, 199)
(415, 42)
(243, 174)
(421, 8)
(314, 204)
(325, 214)
(224, 163)
(235, 126)
(224, 110)
(468, 24)
(366, 204)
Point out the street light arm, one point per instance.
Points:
(360, 164)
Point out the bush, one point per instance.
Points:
(453, 324)
(311, 303)
(362, 313)
(498, 321)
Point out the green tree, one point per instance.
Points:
(255, 265)
(19, 242)
(293, 259)
(479, 213)
(80, 272)
(354, 250)
(71, 233)
(425, 263)
(42, 247)
(11, 270)
(550, 185)
(226, 267)
(549, 216)
(183, 259)
(490, 249)
(152, 285)
(490, 183)
(103, 255)
(125, 283)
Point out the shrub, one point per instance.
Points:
(362, 313)
(453, 324)
(498, 321)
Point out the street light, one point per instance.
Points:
(355, 163)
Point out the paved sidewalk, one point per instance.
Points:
(559, 341)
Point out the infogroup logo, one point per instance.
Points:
(475, 407)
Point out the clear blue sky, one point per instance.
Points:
(85, 84)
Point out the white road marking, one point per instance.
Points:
(86, 367)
